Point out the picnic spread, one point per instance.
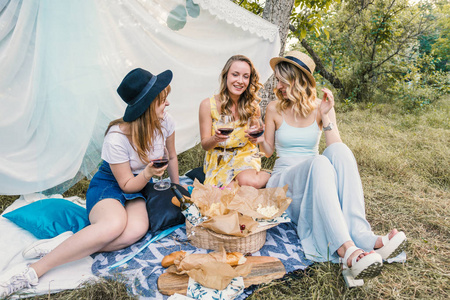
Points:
(218, 255)
(140, 265)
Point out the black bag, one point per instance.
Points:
(162, 214)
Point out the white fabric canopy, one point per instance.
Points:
(61, 62)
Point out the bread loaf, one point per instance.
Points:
(235, 258)
(169, 259)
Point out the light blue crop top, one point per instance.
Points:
(297, 141)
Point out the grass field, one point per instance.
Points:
(404, 165)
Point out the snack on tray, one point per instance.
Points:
(268, 211)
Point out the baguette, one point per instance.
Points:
(235, 258)
(169, 259)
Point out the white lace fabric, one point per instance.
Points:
(240, 17)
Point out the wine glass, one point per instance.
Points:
(225, 126)
(160, 158)
(255, 130)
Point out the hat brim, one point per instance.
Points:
(276, 60)
(132, 112)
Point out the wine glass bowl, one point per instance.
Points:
(225, 131)
(160, 158)
(160, 162)
(255, 130)
(225, 125)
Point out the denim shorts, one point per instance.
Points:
(104, 185)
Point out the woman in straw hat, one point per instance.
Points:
(328, 203)
(237, 97)
(114, 202)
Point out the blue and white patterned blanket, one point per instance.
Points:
(142, 271)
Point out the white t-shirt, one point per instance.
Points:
(117, 148)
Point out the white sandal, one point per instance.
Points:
(392, 247)
(368, 266)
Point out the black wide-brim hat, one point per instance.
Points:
(139, 88)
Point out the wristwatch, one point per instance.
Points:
(329, 127)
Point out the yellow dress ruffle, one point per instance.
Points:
(221, 171)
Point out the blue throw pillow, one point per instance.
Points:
(48, 218)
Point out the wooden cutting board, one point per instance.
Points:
(264, 269)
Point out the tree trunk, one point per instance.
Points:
(276, 12)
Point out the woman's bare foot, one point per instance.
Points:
(379, 242)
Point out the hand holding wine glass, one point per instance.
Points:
(160, 159)
(255, 130)
(225, 126)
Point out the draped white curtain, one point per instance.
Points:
(61, 62)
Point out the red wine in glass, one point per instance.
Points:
(159, 163)
(256, 133)
(160, 157)
(226, 131)
(255, 130)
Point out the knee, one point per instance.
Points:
(322, 168)
(253, 181)
(134, 232)
(321, 162)
(340, 150)
(111, 229)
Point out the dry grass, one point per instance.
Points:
(404, 166)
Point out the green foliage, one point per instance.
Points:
(255, 6)
(306, 15)
(440, 48)
(374, 49)
(421, 86)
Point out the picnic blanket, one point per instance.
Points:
(141, 272)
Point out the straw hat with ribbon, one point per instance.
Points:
(300, 60)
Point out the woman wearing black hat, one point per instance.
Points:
(328, 202)
(115, 205)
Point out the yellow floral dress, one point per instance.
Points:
(220, 170)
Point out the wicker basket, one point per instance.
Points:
(208, 239)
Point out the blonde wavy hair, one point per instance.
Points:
(300, 93)
(249, 99)
(144, 129)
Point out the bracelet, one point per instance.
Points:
(329, 127)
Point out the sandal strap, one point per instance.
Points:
(385, 240)
(349, 252)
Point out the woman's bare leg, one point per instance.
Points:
(108, 220)
(253, 178)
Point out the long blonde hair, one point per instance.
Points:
(144, 129)
(300, 93)
(249, 99)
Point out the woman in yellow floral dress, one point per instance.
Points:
(238, 97)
